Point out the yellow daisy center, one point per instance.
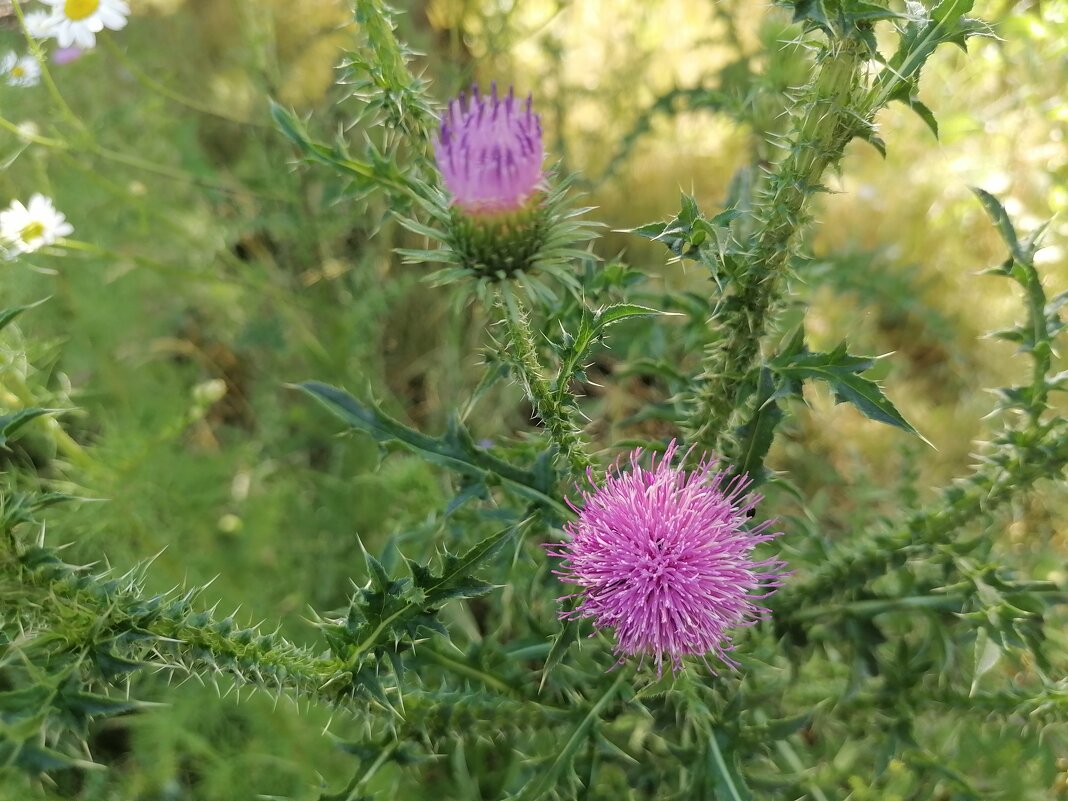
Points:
(17, 71)
(80, 9)
(34, 230)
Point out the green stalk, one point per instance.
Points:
(830, 122)
(1042, 454)
(556, 416)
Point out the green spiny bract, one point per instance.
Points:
(520, 246)
(499, 245)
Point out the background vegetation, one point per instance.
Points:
(214, 271)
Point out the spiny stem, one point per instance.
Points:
(1043, 453)
(830, 122)
(556, 417)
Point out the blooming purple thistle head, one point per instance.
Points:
(490, 153)
(664, 556)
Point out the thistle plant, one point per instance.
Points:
(511, 643)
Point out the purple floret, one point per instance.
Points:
(489, 151)
(665, 558)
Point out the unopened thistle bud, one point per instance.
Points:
(496, 216)
(490, 154)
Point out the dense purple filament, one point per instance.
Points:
(663, 557)
(489, 151)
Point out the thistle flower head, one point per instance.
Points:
(664, 557)
(490, 153)
(496, 215)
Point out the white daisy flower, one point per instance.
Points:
(38, 24)
(77, 22)
(24, 229)
(20, 70)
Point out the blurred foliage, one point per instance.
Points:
(212, 272)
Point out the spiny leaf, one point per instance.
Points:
(925, 114)
(10, 423)
(756, 435)
(562, 642)
(395, 608)
(545, 780)
(455, 452)
(35, 759)
(379, 577)
(840, 371)
(455, 575)
(729, 784)
(85, 704)
(622, 311)
(949, 11)
(1001, 219)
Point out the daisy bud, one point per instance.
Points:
(664, 557)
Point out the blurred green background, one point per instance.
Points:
(215, 271)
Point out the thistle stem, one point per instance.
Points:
(556, 417)
(831, 120)
(1041, 454)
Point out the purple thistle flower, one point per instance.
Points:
(489, 152)
(663, 556)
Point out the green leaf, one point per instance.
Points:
(85, 705)
(36, 759)
(576, 345)
(417, 227)
(925, 114)
(623, 311)
(689, 232)
(455, 580)
(26, 702)
(7, 315)
(840, 371)
(867, 133)
(389, 609)
(113, 666)
(379, 577)
(920, 37)
(562, 642)
(545, 780)
(949, 11)
(376, 172)
(454, 452)
(812, 14)
(1001, 219)
(987, 655)
(11, 423)
(756, 435)
(862, 11)
(729, 784)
